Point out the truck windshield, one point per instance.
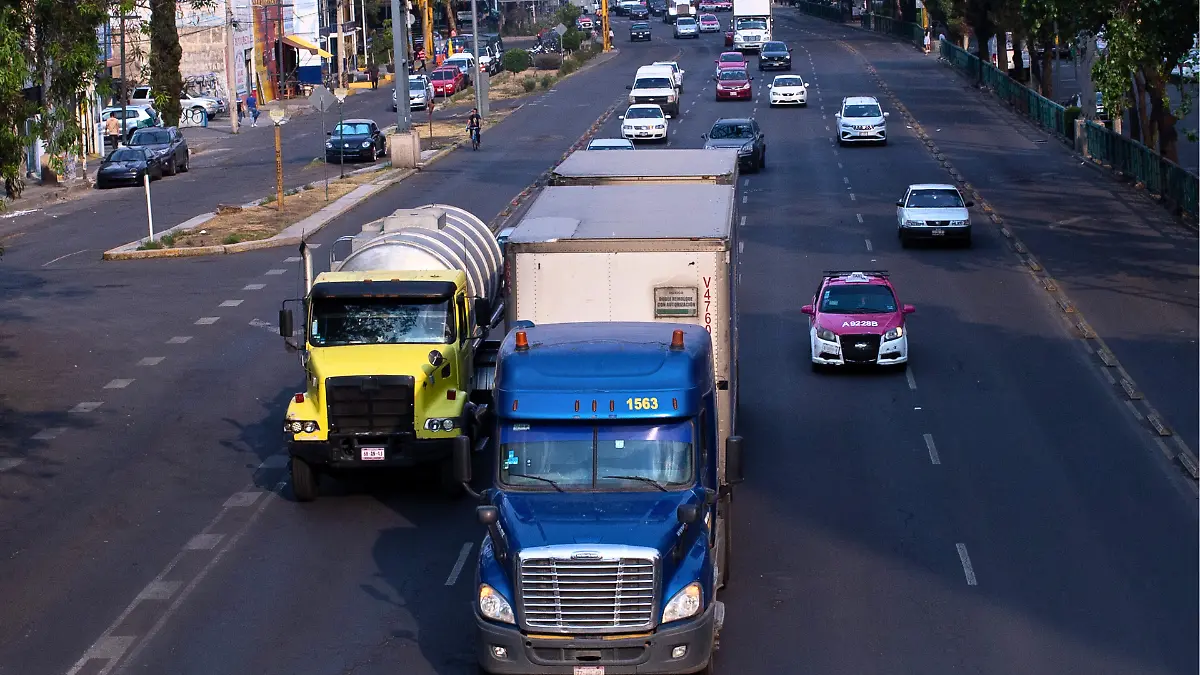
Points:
(751, 24)
(379, 321)
(579, 456)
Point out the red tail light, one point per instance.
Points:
(298, 398)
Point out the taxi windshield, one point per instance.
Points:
(934, 199)
(611, 457)
(858, 299)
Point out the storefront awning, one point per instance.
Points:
(301, 43)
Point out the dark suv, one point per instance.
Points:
(168, 146)
(775, 56)
(639, 30)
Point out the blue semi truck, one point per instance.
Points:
(601, 550)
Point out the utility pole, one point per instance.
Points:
(341, 49)
(480, 78)
(230, 65)
(362, 4)
(124, 83)
(400, 60)
(604, 25)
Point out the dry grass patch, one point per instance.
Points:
(501, 87)
(267, 220)
(448, 132)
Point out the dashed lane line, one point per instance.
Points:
(459, 564)
(275, 272)
(231, 303)
(965, 559)
(48, 434)
(118, 384)
(151, 361)
(179, 340)
(859, 216)
(86, 407)
(932, 448)
(253, 287)
(908, 375)
(207, 320)
(10, 463)
(868, 243)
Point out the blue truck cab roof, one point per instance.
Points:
(603, 370)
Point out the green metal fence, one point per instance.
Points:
(1040, 109)
(902, 29)
(1160, 176)
(827, 12)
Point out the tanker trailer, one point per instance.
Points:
(395, 345)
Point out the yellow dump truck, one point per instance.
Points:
(395, 345)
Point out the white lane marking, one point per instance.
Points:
(840, 165)
(459, 564)
(1111, 379)
(179, 339)
(275, 273)
(243, 499)
(912, 384)
(933, 453)
(868, 243)
(151, 361)
(48, 434)
(231, 303)
(745, 182)
(852, 198)
(826, 127)
(65, 256)
(743, 223)
(159, 590)
(86, 406)
(966, 564)
(1136, 413)
(274, 462)
(294, 258)
(859, 216)
(204, 542)
(741, 246)
(845, 180)
(744, 197)
(824, 117)
(259, 323)
(200, 576)
(10, 463)
(207, 320)
(253, 287)
(118, 384)
(110, 647)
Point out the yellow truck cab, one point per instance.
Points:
(395, 349)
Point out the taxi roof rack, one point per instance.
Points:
(829, 274)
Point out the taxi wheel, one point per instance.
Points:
(304, 480)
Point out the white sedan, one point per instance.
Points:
(788, 90)
(933, 211)
(644, 122)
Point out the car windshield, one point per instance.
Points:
(151, 138)
(789, 81)
(731, 74)
(708, 18)
(731, 131)
(751, 24)
(640, 26)
(416, 85)
(652, 83)
(732, 58)
(643, 113)
(862, 110)
(352, 129)
(858, 299)
(774, 47)
(126, 155)
(379, 321)
(442, 75)
(684, 21)
(579, 456)
(610, 145)
(934, 199)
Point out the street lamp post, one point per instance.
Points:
(400, 63)
(481, 95)
(341, 93)
(279, 119)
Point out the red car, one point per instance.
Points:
(733, 60)
(855, 318)
(447, 80)
(734, 83)
(723, 6)
(729, 38)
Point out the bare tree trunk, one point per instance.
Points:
(451, 20)
(1002, 52)
(1047, 68)
(1139, 123)
(1162, 121)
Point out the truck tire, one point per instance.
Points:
(305, 482)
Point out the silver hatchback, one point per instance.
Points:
(686, 26)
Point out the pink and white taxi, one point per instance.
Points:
(856, 319)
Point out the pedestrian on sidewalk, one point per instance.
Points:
(373, 73)
(926, 40)
(252, 107)
(112, 129)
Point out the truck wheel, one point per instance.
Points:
(304, 480)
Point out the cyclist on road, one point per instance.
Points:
(474, 122)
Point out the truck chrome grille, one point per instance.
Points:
(588, 595)
(381, 404)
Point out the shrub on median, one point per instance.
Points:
(530, 83)
(547, 81)
(547, 61)
(516, 60)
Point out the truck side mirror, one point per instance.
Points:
(462, 459)
(480, 308)
(688, 513)
(733, 460)
(900, 203)
(286, 329)
(807, 309)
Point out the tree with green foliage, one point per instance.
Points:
(166, 80)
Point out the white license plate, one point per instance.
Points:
(643, 134)
(589, 670)
(938, 232)
(372, 453)
(864, 133)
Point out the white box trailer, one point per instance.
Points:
(634, 253)
(583, 167)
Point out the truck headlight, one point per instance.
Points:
(826, 335)
(493, 606)
(300, 426)
(894, 334)
(683, 604)
(440, 424)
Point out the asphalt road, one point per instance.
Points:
(153, 533)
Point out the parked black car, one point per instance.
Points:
(128, 166)
(355, 139)
(639, 31)
(741, 134)
(657, 7)
(775, 56)
(167, 144)
(639, 12)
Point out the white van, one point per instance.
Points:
(656, 84)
